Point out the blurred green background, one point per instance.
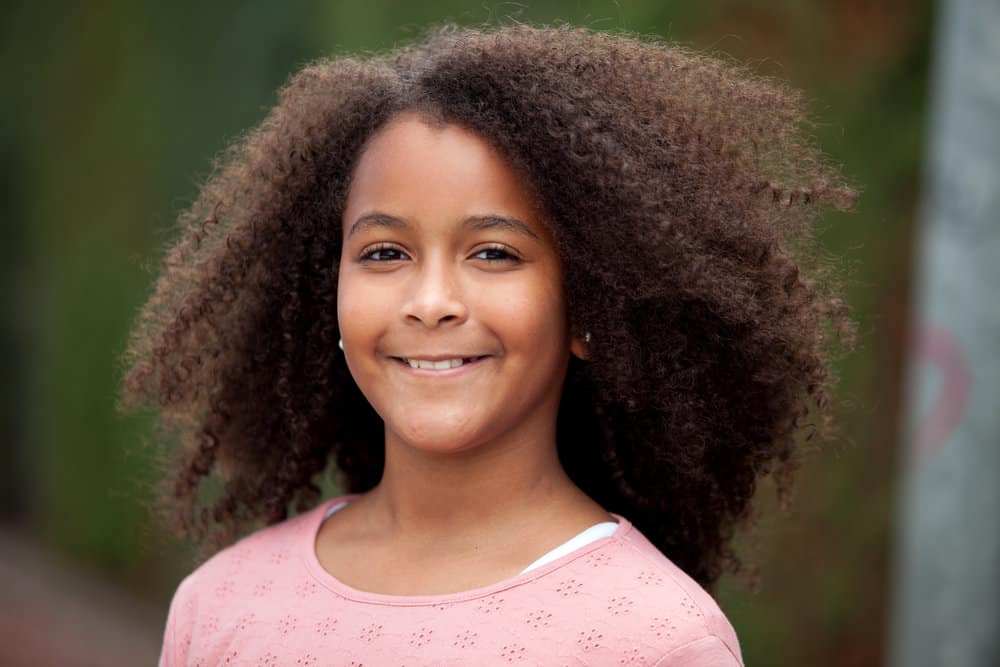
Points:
(112, 113)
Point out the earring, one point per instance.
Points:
(341, 344)
(586, 337)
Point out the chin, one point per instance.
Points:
(438, 436)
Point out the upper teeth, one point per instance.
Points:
(446, 363)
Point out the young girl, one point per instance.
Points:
(532, 292)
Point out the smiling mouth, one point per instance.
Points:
(440, 365)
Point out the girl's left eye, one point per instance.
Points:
(496, 253)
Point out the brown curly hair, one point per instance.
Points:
(680, 189)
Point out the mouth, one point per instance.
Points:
(439, 366)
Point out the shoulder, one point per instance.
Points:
(698, 603)
(262, 550)
(644, 599)
(252, 566)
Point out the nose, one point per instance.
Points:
(435, 296)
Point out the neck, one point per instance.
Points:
(432, 496)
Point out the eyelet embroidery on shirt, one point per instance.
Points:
(326, 626)
(663, 627)
(305, 588)
(632, 657)
(588, 640)
(246, 621)
(421, 637)
(307, 660)
(493, 603)
(512, 652)
(262, 588)
(465, 639)
(211, 625)
(690, 607)
(269, 659)
(649, 578)
(286, 625)
(620, 605)
(240, 556)
(598, 559)
(225, 589)
(371, 632)
(538, 619)
(231, 656)
(279, 557)
(568, 587)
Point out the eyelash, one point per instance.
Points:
(366, 255)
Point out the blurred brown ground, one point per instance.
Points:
(52, 613)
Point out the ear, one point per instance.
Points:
(579, 348)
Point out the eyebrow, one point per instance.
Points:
(492, 221)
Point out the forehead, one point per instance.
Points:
(436, 175)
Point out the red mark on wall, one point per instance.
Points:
(939, 348)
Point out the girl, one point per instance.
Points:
(532, 291)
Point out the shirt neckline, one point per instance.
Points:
(307, 550)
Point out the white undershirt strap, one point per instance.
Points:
(595, 532)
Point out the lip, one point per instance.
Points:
(444, 372)
(440, 357)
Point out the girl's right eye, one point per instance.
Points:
(381, 253)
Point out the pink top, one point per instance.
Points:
(266, 600)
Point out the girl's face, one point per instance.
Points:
(446, 263)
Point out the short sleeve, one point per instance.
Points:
(708, 651)
(171, 653)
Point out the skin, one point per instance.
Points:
(472, 490)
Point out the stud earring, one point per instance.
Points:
(341, 344)
(586, 337)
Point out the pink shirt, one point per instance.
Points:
(266, 600)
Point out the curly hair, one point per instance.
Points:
(681, 190)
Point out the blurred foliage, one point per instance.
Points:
(115, 109)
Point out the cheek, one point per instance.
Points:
(360, 317)
(530, 313)
(359, 333)
(357, 307)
